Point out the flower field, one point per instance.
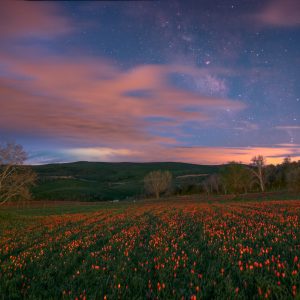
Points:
(158, 250)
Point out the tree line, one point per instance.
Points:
(232, 178)
(238, 178)
(16, 179)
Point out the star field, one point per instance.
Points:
(193, 81)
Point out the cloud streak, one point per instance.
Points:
(26, 19)
(171, 82)
(280, 13)
(93, 101)
(201, 155)
(291, 127)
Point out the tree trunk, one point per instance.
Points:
(157, 194)
(262, 186)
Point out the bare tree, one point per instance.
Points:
(157, 182)
(212, 184)
(206, 186)
(259, 163)
(15, 178)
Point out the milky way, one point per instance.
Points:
(200, 82)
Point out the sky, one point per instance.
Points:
(205, 82)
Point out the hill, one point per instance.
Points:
(94, 181)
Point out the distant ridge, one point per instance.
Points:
(96, 181)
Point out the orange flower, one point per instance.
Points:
(294, 290)
(259, 291)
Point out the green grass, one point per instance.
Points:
(95, 181)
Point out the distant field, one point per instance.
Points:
(180, 249)
(106, 181)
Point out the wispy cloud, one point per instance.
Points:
(102, 154)
(246, 126)
(288, 127)
(289, 145)
(280, 13)
(26, 19)
(217, 155)
(201, 155)
(94, 101)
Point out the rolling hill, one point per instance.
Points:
(97, 181)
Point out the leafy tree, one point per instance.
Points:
(157, 182)
(236, 178)
(273, 177)
(15, 178)
(188, 185)
(293, 179)
(287, 160)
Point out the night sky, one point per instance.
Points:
(205, 82)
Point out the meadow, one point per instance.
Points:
(180, 249)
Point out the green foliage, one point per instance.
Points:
(294, 179)
(236, 178)
(92, 181)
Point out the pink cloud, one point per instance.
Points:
(288, 127)
(31, 19)
(88, 100)
(217, 155)
(201, 155)
(283, 13)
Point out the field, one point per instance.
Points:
(152, 250)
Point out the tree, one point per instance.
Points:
(293, 180)
(258, 164)
(15, 178)
(287, 160)
(188, 185)
(273, 177)
(236, 178)
(212, 184)
(157, 182)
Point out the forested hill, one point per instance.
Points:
(94, 181)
